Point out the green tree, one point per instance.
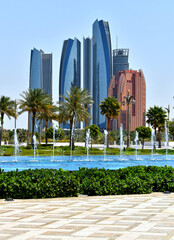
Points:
(111, 108)
(47, 113)
(143, 132)
(7, 107)
(171, 128)
(94, 132)
(156, 116)
(73, 108)
(22, 134)
(33, 101)
(58, 133)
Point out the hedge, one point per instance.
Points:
(51, 183)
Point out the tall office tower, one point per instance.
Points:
(87, 69)
(70, 67)
(120, 60)
(133, 81)
(102, 68)
(40, 74)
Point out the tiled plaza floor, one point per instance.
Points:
(129, 217)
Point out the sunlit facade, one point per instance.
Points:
(40, 76)
(87, 73)
(70, 66)
(101, 68)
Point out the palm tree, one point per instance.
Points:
(33, 102)
(7, 107)
(48, 113)
(111, 108)
(73, 107)
(157, 117)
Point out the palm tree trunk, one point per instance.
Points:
(46, 126)
(108, 132)
(159, 136)
(40, 132)
(33, 124)
(28, 137)
(72, 134)
(1, 128)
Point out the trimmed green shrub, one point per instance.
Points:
(51, 183)
(43, 183)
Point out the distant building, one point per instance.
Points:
(70, 67)
(120, 60)
(40, 76)
(133, 81)
(101, 68)
(87, 74)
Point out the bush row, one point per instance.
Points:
(50, 183)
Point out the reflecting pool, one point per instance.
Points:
(66, 163)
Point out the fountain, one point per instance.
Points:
(87, 141)
(136, 145)
(152, 143)
(16, 144)
(35, 146)
(166, 139)
(105, 144)
(54, 130)
(121, 140)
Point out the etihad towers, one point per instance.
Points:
(101, 68)
(70, 66)
(40, 75)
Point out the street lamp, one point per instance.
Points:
(128, 100)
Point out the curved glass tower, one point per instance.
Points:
(70, 66)
(102, 68)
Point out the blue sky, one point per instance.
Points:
(145, 27)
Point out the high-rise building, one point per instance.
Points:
(87, 58)
(133, 81)
(120, 60)
(70, 66)
(40, 75)
(101, 68)
(87, 63)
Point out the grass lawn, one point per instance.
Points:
(46, 150)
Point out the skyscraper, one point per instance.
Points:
(40, 74)
(87, 84)
(87, 63)
(120, 60)
(70, 66)
(102, 68)
(134, 81)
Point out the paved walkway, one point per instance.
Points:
(89, 218)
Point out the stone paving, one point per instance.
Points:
(128, 217)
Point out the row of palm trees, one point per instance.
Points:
(73, 108)
(40, 106)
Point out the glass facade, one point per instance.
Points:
(40, 76)
(120, 60)
(102, 68)
(87, 69)
(70, 67)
